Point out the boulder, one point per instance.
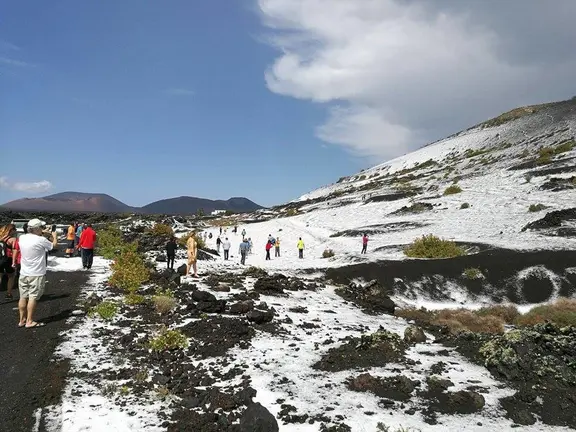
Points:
(260, 317)
(217, 306)
(256, 418)
(241, 307)
(181, 270)
(203, 296)
(414, 334)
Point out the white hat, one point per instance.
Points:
(35, 223)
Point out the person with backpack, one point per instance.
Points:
(268, 247)
(300, 246)
(364, 243)
(8, 256)
(244, 248)
(277, 247)
(171, 247)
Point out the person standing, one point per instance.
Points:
(277, 247)
(218, 243)
(192, 248)
(171, 247)
(268, 247)
(71, 239)
(250, 245)
(226, 247)
(8, 256)
(364, 243)
(33, 249)
(244, 248)
(54, 234)
(243, 233)
(79, 229)
(86, 246)
(300, 246)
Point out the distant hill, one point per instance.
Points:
(80, 202)
(190, 205)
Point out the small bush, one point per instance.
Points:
(162, 230)
(106, 310)
(545, 154)
(199, 240)
(110, 242)
(561, 312)
(536, 208)
(292, 212)
(464, 206)
(421, 316)
(164, 304)
(472, 273)
(134, 299)
(430, 246)
(507, 313)
(129, 271)
(458, 320)
(453, 189)
(328, 253)
(141, 376)
(168, 340)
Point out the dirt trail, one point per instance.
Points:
(28, 378)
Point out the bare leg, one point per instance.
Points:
(22, 310)
(195, 269)
(30, 309)
(10, 284)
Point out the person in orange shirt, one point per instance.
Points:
(70, 237)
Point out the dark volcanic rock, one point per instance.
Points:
(398, 387)
(376, 349)
(372, 297)
(260, 317)
(462, 402)
(203, 296)
(241, 307)
(552, 220)
(414, 334)
(271, 285)
(256, 418)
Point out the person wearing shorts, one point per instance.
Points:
(33, 249)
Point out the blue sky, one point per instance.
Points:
(149, 100)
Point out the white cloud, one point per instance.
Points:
(397, 73)
(179, 92)
(12, 62)
(26, 187)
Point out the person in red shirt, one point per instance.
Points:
(268, 247)
(86, 246)
(364, 243)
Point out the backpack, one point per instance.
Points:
(4, 258)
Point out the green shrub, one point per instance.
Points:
(134, 299)
(106, 310)
(472, 273)
(536, 208)
(292, 212)
(430, 246)
(110, 242)
(464, 206)
(129, 271)
(561, 312)
(508, 313)
(545, 154)
(164, 304)
(328, 253)
(200, 244)
(453, 189)
(162, 230)
(168, 340)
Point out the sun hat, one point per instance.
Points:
(35, 223)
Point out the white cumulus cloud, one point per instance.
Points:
(395, 74)
(26, 187)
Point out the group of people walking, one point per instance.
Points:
(81, 240)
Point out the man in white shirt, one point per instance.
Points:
(226, 246)
(33, 249)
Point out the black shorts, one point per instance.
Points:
(7, 267)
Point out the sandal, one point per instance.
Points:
(36, 324)
(21, 325)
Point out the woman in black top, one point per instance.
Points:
(171, 247)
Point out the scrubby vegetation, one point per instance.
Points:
(452, 189)
(105, 310)
(134, 299)
(430, 246)
(110, 242)
(492, 319)
(545, 154)
(199, 240)
(162, 230)
(168, 340)
(536, 208)
(292, 212)
(328, 253)
(164, 304)
(129, 271)
(512, 115)
(472, 273)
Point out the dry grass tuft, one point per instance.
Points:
(561, 312)
(164, 304)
